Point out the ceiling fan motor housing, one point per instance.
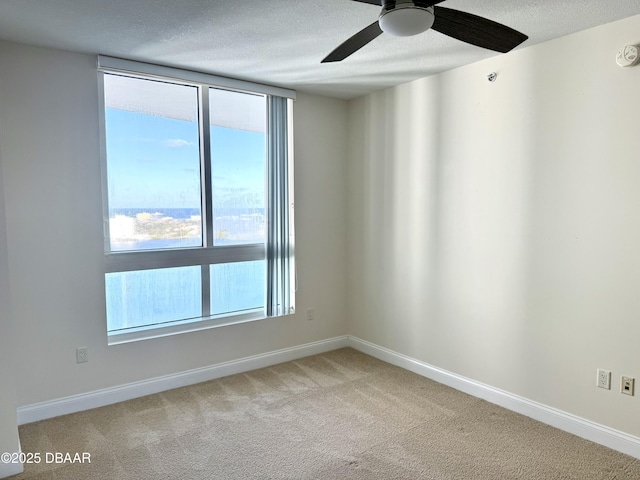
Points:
(405, 18)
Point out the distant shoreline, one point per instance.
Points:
(184, 213)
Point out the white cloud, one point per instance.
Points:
(176, 143)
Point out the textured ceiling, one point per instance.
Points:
(281, 42)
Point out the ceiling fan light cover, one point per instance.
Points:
(404, 22)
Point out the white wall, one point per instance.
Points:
(49, 121)
(494, 228)
(8, 424)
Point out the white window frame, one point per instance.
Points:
(208, 254)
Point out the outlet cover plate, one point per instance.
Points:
(604, 379)
(82, 355)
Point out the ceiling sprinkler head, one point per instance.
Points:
(492, 76)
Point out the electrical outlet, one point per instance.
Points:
(82, 355)
(604, 379)
(311, 314)
(626, 385)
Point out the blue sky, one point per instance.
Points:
(153, 162)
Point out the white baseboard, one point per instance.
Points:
(581, 427)
(108, 396)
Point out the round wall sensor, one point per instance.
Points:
(628, 56)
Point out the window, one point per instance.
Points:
(197, 182)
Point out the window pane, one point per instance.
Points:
(153, 164)
(237, 286)
(152, 297)
(238, 166)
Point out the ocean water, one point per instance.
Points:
(162, 296)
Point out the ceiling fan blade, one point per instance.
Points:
(372, 2)
(475, 30)
(354, 44)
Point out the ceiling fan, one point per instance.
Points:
(404, 18)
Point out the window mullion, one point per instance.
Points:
(205, 166)
(207, 194)
(206, 290)
(153, 259)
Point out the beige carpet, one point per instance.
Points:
(340, 415)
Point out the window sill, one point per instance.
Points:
(187, 326)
